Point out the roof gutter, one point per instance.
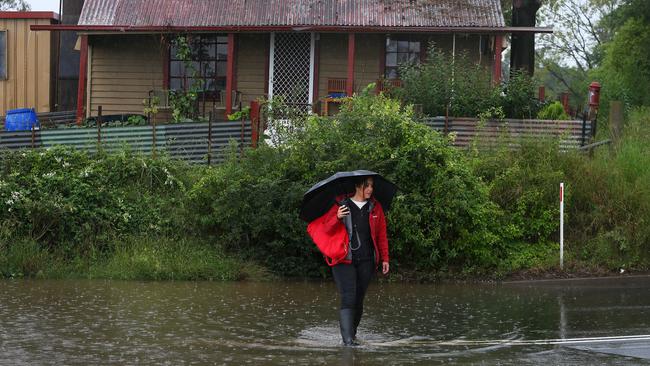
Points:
(87, 29)
(50, 15)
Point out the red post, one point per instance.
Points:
(83, 70)
(230, 68)
(349, 88)
(542, 93)
(564, 99)
(498, 48)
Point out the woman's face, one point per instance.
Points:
(366, 188)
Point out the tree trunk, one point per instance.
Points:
(524, 14)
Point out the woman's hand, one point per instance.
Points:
(342, 212)
(385, 267)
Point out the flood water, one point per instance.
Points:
(184, 323)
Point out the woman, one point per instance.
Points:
(361, 219)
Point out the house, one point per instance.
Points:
(304, 50)
(28, 61)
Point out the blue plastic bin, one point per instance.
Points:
(21, 120)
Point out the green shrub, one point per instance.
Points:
(64, 198)
(553, 111)
(442, 215)
(465, 87)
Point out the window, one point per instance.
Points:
(209, 60)
(399, 52)
(3, 55)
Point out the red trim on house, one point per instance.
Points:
(316, 73)
(230, 68)
(289, 28)
(349, 87)
(498, 49)
(83, 70)
(29, 15)
(166, 62)
(235, 61)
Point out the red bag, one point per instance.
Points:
(330, 236)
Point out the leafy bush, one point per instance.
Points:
(465, 87)
(442, 215)
(65, 198)
(553, 111)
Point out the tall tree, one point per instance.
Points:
(20, 5)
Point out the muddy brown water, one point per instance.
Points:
(604, 321)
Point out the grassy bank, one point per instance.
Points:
(134, 258)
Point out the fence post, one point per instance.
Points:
(210, 138)
(255, 121)
(153, 137)
(99, 127)
(446, 130)
(33, 137)
(584, 129)
(561, 225)
(616, 120)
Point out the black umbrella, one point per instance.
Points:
(322, 195)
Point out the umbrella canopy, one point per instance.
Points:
(322, 195)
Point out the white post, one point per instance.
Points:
(561, 225)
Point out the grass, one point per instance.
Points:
(135, 258)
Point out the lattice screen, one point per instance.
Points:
(291, 67)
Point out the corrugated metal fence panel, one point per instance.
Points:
(512, 131)
(136, 138)
(189, 141)
(19, 139)
(186, 141)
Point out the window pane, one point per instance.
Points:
(402, 58)
(402, 46)
(176, 68)
(221, 68)
(202, 51)
(222, 39)
(391, 59)
(210, 85)
(414, 58)
(391, 73)
(3, 55)
(211, 51)
(222, 51)
(414, 47)
(391, 45)
(208, 69)
(175, 84)
(221, 83)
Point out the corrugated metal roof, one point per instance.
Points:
(295, 13)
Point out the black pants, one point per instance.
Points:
(352, 281)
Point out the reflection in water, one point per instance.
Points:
(122, 323)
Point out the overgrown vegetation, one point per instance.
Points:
(64, 211)
(460, 87)
(458, 213)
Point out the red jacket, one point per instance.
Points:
(331, 237)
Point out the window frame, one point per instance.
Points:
(217, 57)
(410, 56)
(4, 48)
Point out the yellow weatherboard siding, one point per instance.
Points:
(30, 69)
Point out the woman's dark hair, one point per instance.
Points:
(361, 181)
